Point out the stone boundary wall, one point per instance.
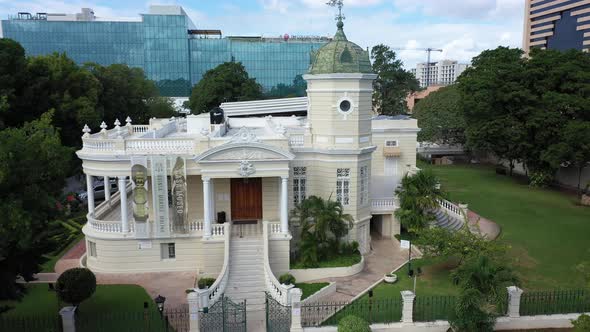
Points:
(326, 291)
(503, 323)
(304, 275)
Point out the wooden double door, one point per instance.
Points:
(246, 199)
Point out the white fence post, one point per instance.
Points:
(408, 306)
(68, 319)
(465, 210)
(296, 310)
(198, 299)
(514, 294)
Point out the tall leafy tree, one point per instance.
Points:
(13, 66)
(440, 117)
(33, 166)
(225, 83)
(393, 83)
(571, 149)
(125, 92)
(495, 103)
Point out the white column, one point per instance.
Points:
(90, 193)
(107, 188)
(212, 186)
(408, 306)
(284, 206)
(123, 195)
(207, 207)
(514, 294)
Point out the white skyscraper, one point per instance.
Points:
(444, 72)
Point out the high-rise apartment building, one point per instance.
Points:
(444, 72)
(164, 43)
(557, 24)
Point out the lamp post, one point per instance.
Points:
(160, 303)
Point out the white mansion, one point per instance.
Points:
(192, 190)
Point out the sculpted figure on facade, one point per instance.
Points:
(139, 177)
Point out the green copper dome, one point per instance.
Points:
(340, 56)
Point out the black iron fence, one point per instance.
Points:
(554, 302)
(13, 323)
(373, 311)
(431, 308)
(171, 320)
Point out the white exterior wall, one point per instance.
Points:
(279, 256)
(124, 256)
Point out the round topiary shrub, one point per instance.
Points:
(353, 324)
(75, 285)
(287, 279)
(205, 282)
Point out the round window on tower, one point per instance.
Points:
(345, 106)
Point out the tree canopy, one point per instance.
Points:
(297, 89)
(520, 108)
(33, 167)
(227, 82)
(440, 117)
(393, 83)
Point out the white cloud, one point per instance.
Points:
(470, 9)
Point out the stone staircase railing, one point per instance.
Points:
(454, 210)
(218, 288)
(278, 291)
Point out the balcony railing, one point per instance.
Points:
(383, 205)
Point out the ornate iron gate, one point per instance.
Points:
(224, 316)
(278, 316)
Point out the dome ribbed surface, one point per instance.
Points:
(340, 56)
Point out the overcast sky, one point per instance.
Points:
(462, 28)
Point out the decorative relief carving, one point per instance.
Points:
(244, 135)
(245, 154)
(246, 168)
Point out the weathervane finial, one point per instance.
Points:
(339, 4)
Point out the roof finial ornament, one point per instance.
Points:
(339, 17)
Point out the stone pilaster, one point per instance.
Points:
(296, 310)
(68, 319)
(514, 294)
(408, 306)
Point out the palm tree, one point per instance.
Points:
(418, 196)
(322, 222)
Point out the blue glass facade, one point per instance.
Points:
(558, 24)
(162, 47)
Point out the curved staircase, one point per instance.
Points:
(444, 220)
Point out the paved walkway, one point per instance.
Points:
(384, 257)
(489, 229)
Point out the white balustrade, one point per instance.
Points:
(195, 226)
(278, 291)
(382, 204)
(217, 230)
(156, 146)
(218, 287)
(99, 145)
(274, 229)
(297, 140)
(141, 129)
(453, 209)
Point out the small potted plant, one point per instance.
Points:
(390, 278)
(287, 279)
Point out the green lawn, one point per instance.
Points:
(310, 289)
(336, 261)
(39, 300)
(548, 233)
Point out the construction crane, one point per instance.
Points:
(428, 50)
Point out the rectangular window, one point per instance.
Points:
(168, 250)
(364, 185)
(92, 249)
(299, 184)
(343, 185)
(391, 143)
(391, 166)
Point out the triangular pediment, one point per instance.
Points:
(245, 151)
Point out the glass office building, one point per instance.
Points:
(164, 43)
